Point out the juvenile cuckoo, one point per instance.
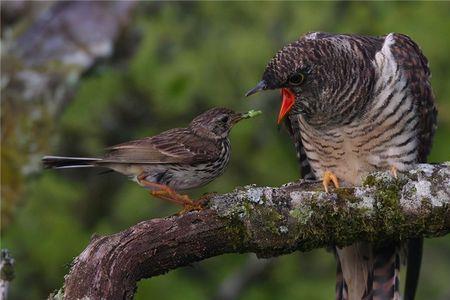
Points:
(354, 104)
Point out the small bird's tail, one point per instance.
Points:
(61, 162)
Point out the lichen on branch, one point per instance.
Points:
(267, 221)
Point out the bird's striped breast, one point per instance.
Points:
(184, 177)
(384, 136)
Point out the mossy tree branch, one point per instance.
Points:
(269, 222)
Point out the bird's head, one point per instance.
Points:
(315, 75)
(216, 123)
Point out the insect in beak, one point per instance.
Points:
(240, 116)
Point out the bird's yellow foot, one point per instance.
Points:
(394, 172)
(329, 177)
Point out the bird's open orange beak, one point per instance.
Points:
(286, 104)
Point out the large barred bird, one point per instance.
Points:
(355, 104)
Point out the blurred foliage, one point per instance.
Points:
(188, 58)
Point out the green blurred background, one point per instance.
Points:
(188, 57)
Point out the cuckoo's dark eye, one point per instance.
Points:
(296, 79)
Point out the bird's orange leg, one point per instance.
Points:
(394, 171)
(329, 177)
(166, 193)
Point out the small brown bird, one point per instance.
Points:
(174, 160)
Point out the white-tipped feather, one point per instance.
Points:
(50, 157)
(64, 162)
(74, 166)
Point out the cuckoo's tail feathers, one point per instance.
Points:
(341, 287)
(385, 273)
(61, 162)
(414, 260)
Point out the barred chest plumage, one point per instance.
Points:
(384, 136)
(356, 104)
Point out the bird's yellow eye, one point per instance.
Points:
(296, 79)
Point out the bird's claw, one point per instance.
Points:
(329, 177)
(394, 172)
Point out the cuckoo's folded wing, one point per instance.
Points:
(414, 67)
(292, 127)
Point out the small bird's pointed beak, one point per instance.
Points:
(259, 87)
(247, 115)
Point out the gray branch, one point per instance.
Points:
(269, 222)
(6, 273)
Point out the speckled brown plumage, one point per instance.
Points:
(180, 158)
(361, 104)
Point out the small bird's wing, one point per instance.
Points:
(175, 146)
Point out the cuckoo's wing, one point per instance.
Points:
(175, 146)
(292, 127)
(414, 66)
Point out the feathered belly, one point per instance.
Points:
(353, 152)
(185, 177)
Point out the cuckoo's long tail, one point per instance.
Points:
(368, 272)
(61, 162)
(341, 286)
(414, 260)
(386, 269)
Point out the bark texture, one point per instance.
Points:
(269, 222)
